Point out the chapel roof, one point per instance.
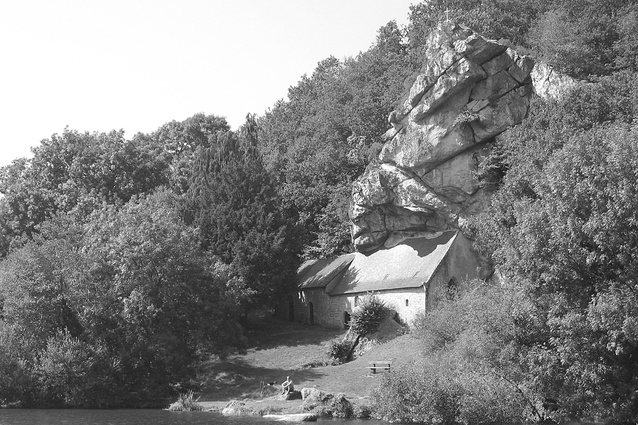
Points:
(410, 264)
(319, 273)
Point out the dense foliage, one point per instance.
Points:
(125, 262)
(558, 340)
(562, 227)
(474, 369)
(321, 139)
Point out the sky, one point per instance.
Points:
(102, 65)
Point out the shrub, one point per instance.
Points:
(16, 381)
(339, 350)
(421, 392)
(367, 317)
(74, 373)
(185, 403)
(441, 389)
(475, 368)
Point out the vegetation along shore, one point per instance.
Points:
(134, 273)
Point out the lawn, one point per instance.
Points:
(279, 348)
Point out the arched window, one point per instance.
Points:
(407, 302)
(452, 289)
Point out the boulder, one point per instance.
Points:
(236, 408)
(470, 89)
(312, 395)
(292, 395)
(294, 417)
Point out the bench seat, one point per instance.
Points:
(380, 365)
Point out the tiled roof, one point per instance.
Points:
(410, 264)
(319, 273)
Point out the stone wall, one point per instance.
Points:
(327, 311)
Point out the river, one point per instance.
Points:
(132, 417)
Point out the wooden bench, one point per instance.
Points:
(380, 365)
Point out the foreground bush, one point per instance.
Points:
(441, 389)
(474, 367)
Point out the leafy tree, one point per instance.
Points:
(585, 38)
(320, 140)
(475, 364)
(175, 143)
(156, 300)
(37, 289)
(75, 173)
(73, 373)
(496, 19)
(562, 225)
(232, 201)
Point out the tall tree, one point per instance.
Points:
(562, 227)
(233, 202)
(320, 140)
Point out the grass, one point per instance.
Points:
(185, 403)
(278, 349)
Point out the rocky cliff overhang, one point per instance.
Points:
(469, 90)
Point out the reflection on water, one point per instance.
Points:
(132, 417)
(116, 417)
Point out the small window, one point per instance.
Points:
(356, 301)
(407, 302)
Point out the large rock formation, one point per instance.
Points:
(469, 90)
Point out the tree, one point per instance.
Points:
(496, 19)
(563, 227)
(233, 203)
(583, 38)
(75, 173)
(175, 143)
(156, 299)
(320, 140)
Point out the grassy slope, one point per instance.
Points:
(278, 349)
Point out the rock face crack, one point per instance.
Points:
(469, 90)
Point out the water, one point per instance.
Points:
(120, 417)
(134, 417)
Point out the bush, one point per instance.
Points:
(74, 373)
(185, 403)
(16, 381)
(367, 317)
(339, 350)
(475, 368)
(441, 389)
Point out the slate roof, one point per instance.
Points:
(410, 264)
(319, 273)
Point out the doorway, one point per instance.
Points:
(311, 313)
(291, 310)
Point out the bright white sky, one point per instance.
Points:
(100, 65)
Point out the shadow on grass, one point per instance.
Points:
(271, 333)
(276, 349)
(236, 378)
